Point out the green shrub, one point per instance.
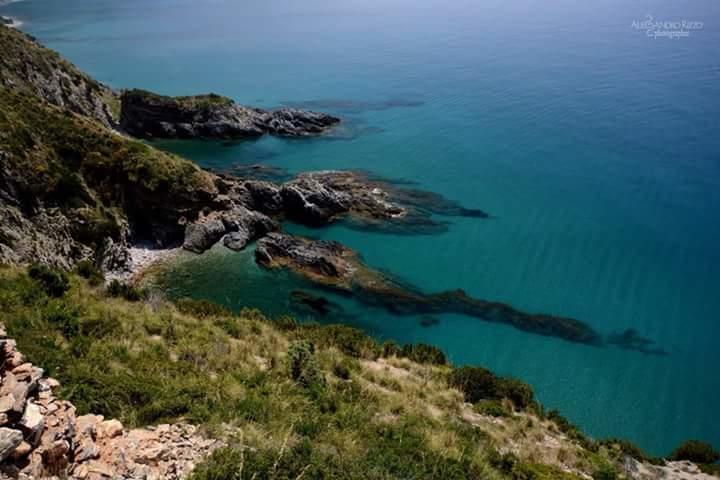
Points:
(520, 393)
(493, 408)
(422, 353)
(696, 451)
(351, 341)
(536, 471)
(342, 371)
(87, 270)
(710, 469)
(605, 472)
(129, 292)
(201, 308)
(53, 281)
(625, 447)
(63, 317)
(476, 383)
(389, 349)
(302, 364)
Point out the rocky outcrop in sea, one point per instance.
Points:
(148, 115)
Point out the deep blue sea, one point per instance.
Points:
(595, 148)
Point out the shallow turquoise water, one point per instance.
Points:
(595, 148)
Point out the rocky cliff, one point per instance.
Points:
(28, 67)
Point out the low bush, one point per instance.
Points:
(696, 451)
(423, 353)
(87, 270)
(478, 384)
(201, 308)
(53, 281)
(493, 408)
(624, 447)
(605, 472)
(351, 341)
(302, 365)
(129, 292)
(342, 370)
(519, 392)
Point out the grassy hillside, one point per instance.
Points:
(326, 401)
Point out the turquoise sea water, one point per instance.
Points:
(595, 148)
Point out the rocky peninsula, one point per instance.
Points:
(149, 115)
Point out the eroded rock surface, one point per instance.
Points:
(148, 115)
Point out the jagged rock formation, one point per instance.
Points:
(148, 115)
(41, 436)
(28, 67)
(318, 198)
(240, 224)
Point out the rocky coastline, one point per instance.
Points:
(106, 194)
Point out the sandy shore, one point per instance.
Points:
(142, 258)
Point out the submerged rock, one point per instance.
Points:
(306, 302)
(148, 115)
(332, 265)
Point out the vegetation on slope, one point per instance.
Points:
(192, 102)
(327, 401)
(30, 68)
(53, 158)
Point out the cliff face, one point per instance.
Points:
(26, 66)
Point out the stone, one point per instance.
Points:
(86, 449)
(22, 450)
(86, 425)
(201, 236)
(9, 440)
(7, 402)
(20, 393)
(265, 197)
(245, 226)
(110, 429)
(9, 382)
(33, 421)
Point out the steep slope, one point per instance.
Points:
(286, 400)
(26, 66)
